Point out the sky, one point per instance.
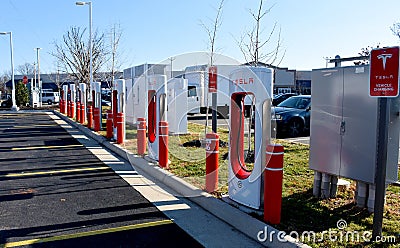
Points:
(153, 31)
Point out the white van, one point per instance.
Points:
(50, 97)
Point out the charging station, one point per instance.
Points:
(245, 184)
(83, 96)
(177, 105)
(118, 108)
(72, 99)
(65, 99)
(156, 111)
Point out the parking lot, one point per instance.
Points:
(55, 193)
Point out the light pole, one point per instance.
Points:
(38, 72)
(14, 106)
(90, 40)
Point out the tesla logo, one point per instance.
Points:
(243, 81)
(383, 57)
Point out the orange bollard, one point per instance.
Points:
(90, 117)
(82, 120)
(273, 176)
(96, 119)
(163, 144)
(109, 124)
(120, 128)
(72, 110)
(141, 136)
(78, 112)
(212, 150)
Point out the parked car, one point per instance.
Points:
(50, 97)
(292, 116)
(281, 97)
(6, 103)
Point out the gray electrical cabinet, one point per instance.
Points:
(344, 121)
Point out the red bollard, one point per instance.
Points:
(62, 102)
(96, 119)
(82, 120)
(163, 144)
(90, 117)
(72, 110)
(141, 136)
(61, 106)
(78, 112)
(120, 128)
(212, 150)
(114, 107)
(273, 176)
(109, 123)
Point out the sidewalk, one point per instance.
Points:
(210, 221)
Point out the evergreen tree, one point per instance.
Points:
(21, 94)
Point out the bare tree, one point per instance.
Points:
(365, 52)
(73, 54)
(251, 43)
(26, 69)
(114, 64)
(396, 29)
(212, 31)
(212, 35)
(4, 79)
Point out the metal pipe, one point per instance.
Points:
(362, 192)
(325, 186)
(317, 184)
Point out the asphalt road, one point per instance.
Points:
(56, 193)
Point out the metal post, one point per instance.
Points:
(380, 176)
(14, 105)
(40, 83)
(34, 75)
(90, 43)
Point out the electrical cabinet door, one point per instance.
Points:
(359, 139)
(326, 118)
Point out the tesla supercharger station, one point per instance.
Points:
(246, 186)
(177, 105)
(72, 99)
(83, 100)
(118, 105)
(65, 98)
(156, 111)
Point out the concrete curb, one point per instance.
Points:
(241, 221)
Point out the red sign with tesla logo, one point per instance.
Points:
(384, 72)
(212, 79)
